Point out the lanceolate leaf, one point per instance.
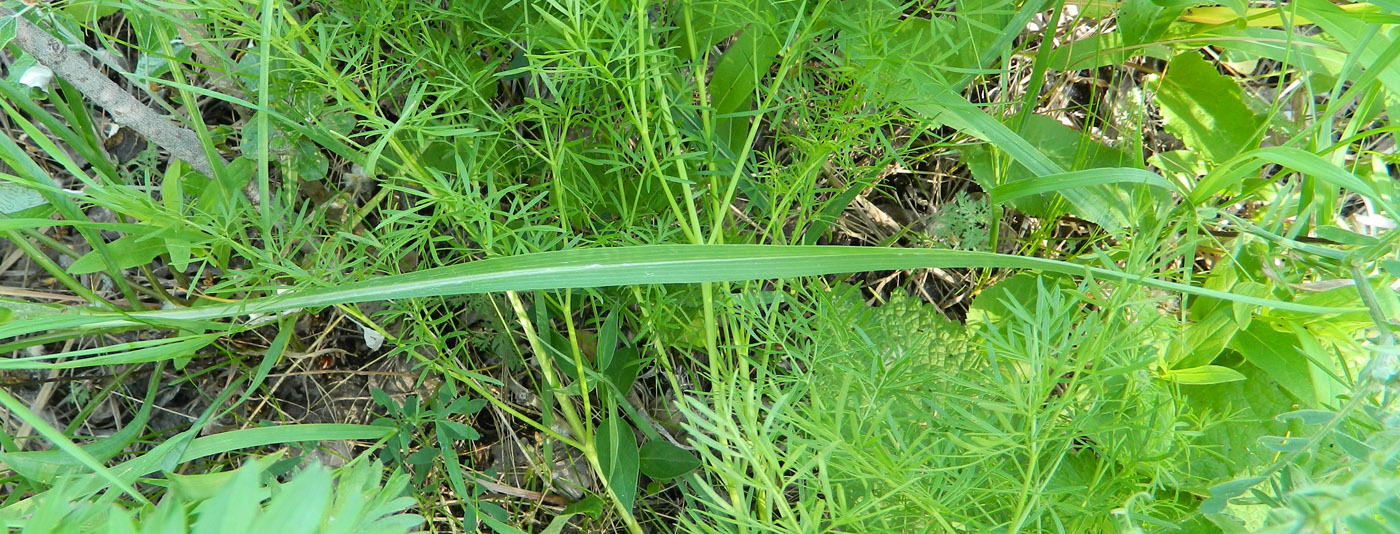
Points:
(1204, 375)
(617, 456)
(663, 460)
(1277, 354)
(607, 267)
(1077, 179)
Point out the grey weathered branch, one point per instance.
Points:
(179, 141)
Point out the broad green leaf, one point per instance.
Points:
(1204, 375)
(500, 526)
(203, 486)
(1357, 449)
(119, 522)
(830, 211)
(1205, 108)
(738, 71)
(663, 460)
(8, 30)
(130, 251)
(460, 431)
(1143, 21)
(1203, 341)
(14, 198)
(1276, 353)
(1323, 367)
(559, 347)
(90, 9)
(168, 517)
(1182, 166)
(1252, 405)
(617, 457)
(735, 83)
(308, 161)
(300, 504)
(453, 466)
(623, 369)
(556, 525)
(1244, 313)
(232, 509)
(709, 21)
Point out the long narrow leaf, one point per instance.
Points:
(1078, 179)
(607, 267)
(207, 446)
(63, 443)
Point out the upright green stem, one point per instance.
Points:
(576, 424)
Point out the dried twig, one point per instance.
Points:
(180, 142)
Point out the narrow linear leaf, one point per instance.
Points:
(162, 352)
(1077, 179)
(622, 266)
(104, 475)
(1290, 158)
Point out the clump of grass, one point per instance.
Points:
(1193, 355)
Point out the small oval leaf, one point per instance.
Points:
(617, 456)
(663, 460)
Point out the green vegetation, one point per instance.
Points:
(699, 266)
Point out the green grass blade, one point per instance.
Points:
(63, 443)
(609, 267)
(208, 446)
(1078, 179)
